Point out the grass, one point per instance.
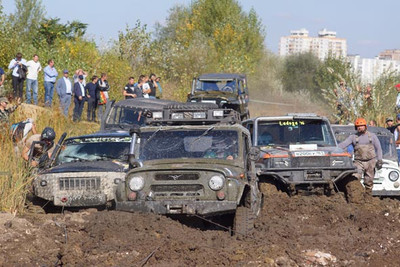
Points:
(15, 178)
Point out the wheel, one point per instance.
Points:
(354, 190)
(243, 222)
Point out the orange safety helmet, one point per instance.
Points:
(360, 122)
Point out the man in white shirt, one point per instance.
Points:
(34, 68)
(64, 92)
(16, 65)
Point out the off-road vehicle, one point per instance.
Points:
(386, 180)
(126, 113)
(86, 171)
(192, 160)
(299, 154)
(224, 89)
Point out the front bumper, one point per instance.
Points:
(178, 207)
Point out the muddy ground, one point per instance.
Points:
(290, 231)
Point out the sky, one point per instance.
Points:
(369, 26)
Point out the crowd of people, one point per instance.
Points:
(95, 93)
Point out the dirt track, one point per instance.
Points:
(289, 232)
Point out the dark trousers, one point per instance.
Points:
(91, 109)
(78, 109)
(18, 87)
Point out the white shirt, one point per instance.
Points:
(15, 66)
(33, 69)
(68, 86)
(146, 86)
(82, 89)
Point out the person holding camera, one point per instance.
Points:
(18, 67)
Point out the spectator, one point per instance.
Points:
(5, 112)
(102, 94)
(397, 86)
(50, 76)
(34, 68)
(390, 124)
(138, 87)
(76, 76)
(79, 98)
(2, 78)
(372, 123)
(397, 135)
(158, 79)
(146, 87)
(91, 98)
(64, 92)
(129, 89)
(18, 67)
(153, 86)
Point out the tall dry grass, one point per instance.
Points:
(15, 175)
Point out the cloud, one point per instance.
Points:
(368, 42)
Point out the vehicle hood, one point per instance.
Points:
(90, 166)
(228, 168)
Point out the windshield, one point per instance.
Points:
(206, 143)
(387, 144)
(224, 86)
(297, 131)
(125, 115)
(93, 149)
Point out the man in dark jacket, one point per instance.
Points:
(79, 99)
(91, 98)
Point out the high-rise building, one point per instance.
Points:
(322, 46)
(390, 54)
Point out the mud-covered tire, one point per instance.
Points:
(354, 190)
(243, 222)
(192, 106)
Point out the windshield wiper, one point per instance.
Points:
(203, 134)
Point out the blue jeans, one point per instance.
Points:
(48, 93)
(31, 84)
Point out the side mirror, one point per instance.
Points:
(254, 153)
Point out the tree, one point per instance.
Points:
(27, 17)
(299, 73)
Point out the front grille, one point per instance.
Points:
(83, 183)
(176, 176)
(178, 190)
(310, 162)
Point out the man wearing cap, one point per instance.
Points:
(5, 112)
(64, 92)
(79, 98)
(390, 124)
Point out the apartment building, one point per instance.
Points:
(324, 44)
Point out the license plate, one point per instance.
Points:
(309, 153)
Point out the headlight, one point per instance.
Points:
(218, 113)
(393, 176)
(136, 183)
(177, 116)
(157, 115)
(216, 183)
(199, 115)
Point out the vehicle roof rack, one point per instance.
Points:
(193, 114)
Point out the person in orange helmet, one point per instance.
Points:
(367, 153)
